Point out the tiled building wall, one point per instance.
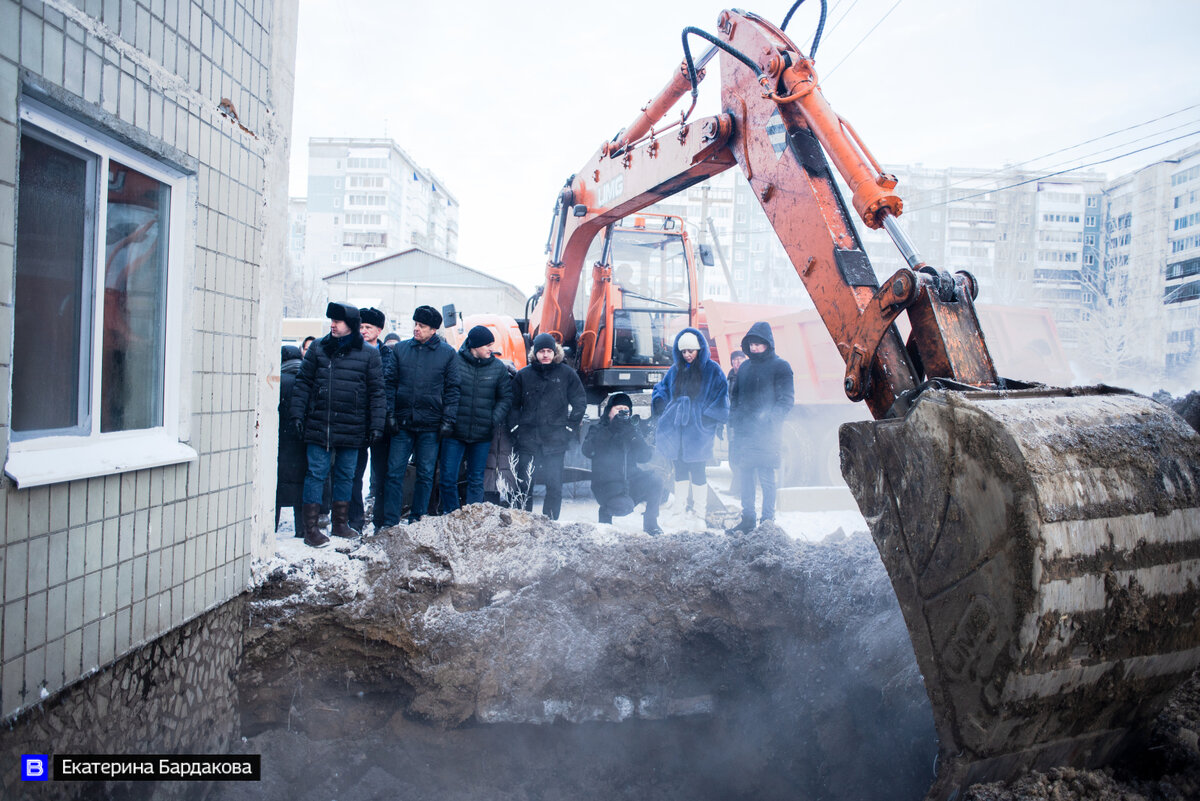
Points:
(95, 567)
(175, 696)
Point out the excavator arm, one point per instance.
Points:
(1044, 543)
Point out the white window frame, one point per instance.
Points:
(36, 459)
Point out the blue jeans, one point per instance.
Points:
(452, 456)
(766, 476)
(342, 460)
(423, 447)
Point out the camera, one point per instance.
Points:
(624, 414)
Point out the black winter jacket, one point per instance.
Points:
(485, 396)
(548, 406)
(616, 448)
(292, 461)
(423, 384)
(759, 401)
(339, 392)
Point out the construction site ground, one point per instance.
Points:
(836, 712)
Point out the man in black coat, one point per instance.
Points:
(548, 407)
(371, 325)
(423, 389)
(759, 402)
(337, 407)
(292, 463)
(616, 448)
(485, 396)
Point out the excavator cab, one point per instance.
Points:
(644, 296)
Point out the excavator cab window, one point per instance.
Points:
(650, 275)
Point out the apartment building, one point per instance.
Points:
(367, 199)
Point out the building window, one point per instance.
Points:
(99, 282)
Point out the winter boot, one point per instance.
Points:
(744, 527)
(679, 500)
(341, 516)
(312, 532)
(650, 525)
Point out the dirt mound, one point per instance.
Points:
(727, 666)
(496, 655)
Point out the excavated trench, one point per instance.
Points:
(492, 654)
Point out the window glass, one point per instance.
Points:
(51, 330)
(135, 300)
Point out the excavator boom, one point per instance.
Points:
(1044, 543)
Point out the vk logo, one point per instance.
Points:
(35, 767)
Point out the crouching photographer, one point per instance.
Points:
(616, 447)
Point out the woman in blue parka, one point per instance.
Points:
(691, 404)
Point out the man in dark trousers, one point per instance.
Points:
(485, 396)
(371, 325)
(338, 408)
(760, 400)
(423, 389)
(616, 448)
(292, 464)
(548, 407)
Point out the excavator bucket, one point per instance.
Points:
(1045, 549)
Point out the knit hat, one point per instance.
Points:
(737, 354)
(289, 352)
(372, 316)
(687, 341)
(544, 341)
(345, 312)
(391, 337)
(479, 336)
(427, 315)
(618, 399)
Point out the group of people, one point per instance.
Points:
(348, 400)
(692, 406)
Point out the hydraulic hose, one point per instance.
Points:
(820, 24)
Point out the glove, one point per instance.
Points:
(447, 429)
(298, 428)
(721, 431)
(392, 425)
(374, 436)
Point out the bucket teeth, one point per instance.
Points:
(1045, 549)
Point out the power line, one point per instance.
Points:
(920, 196)
(1006, 168)
(842, 18)
(1057, 173)
(860, 41)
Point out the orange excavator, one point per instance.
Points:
(1044, 543)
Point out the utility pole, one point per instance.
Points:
(716, 246)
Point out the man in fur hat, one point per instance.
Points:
(337, 408)
(371, 326)
(423, 391)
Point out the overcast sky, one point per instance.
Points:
(503, 101)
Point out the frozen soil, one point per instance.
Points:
(492, 654)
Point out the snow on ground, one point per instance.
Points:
(812, 521)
